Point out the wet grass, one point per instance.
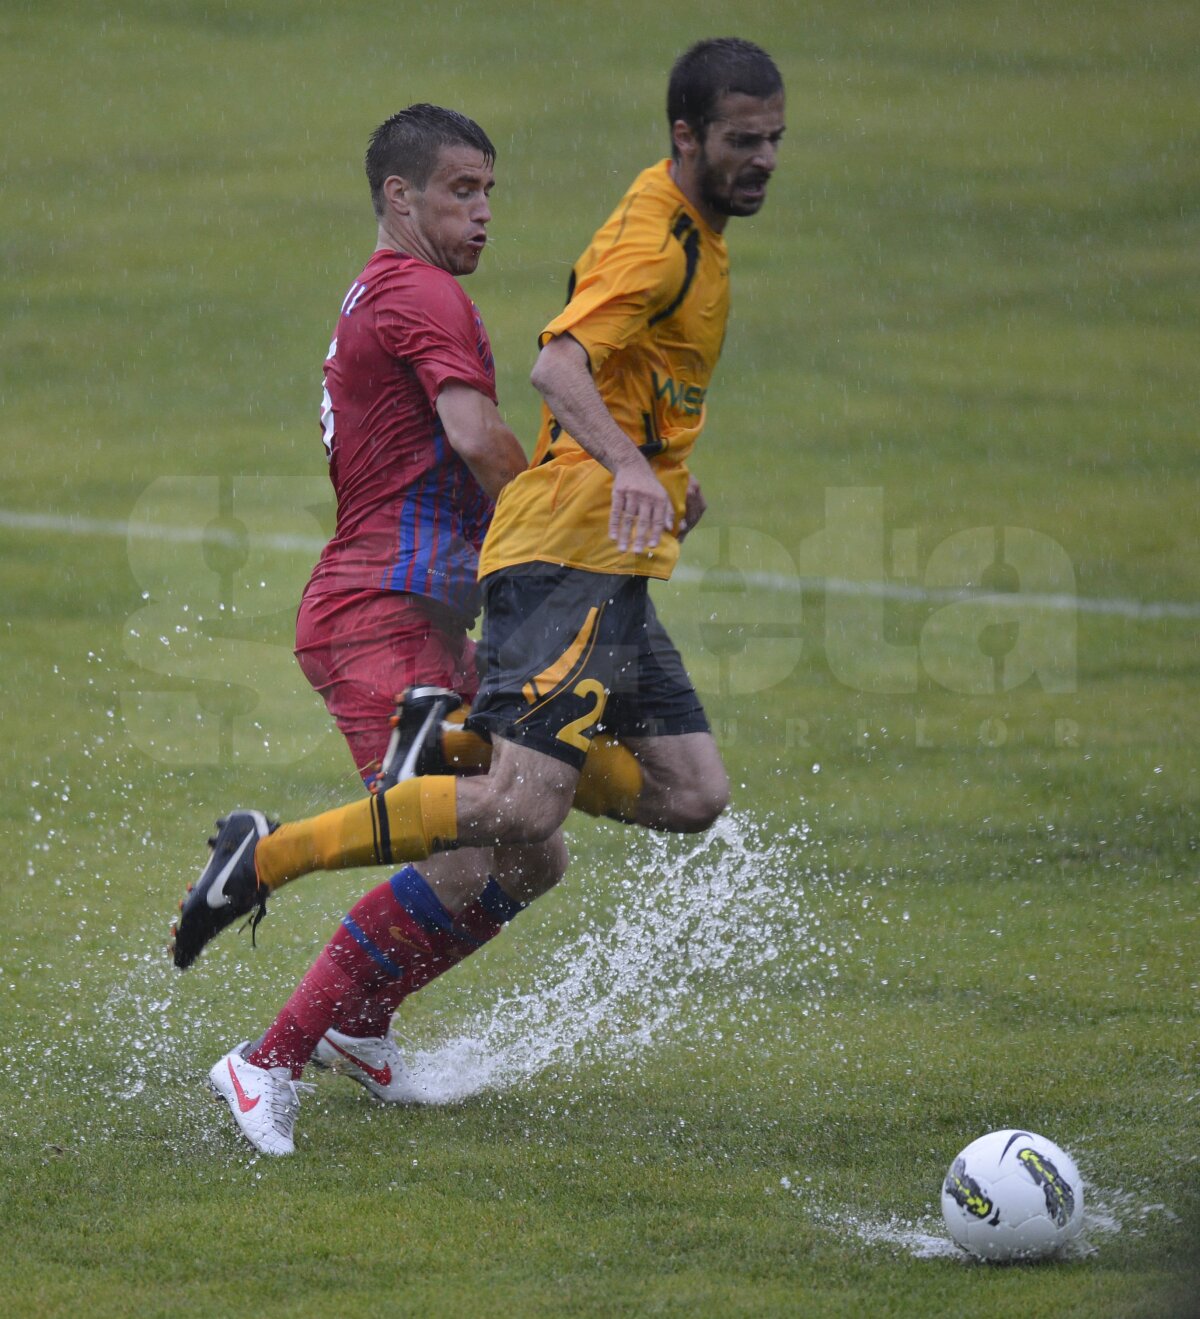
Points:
(959, 890)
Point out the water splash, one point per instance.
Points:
(1109, 1213)
(693, 927)
(1105, 1214)
(681, 944)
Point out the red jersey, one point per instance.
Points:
(410, 516)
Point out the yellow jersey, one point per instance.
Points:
(648, 301)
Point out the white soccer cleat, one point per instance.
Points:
(264, 1101)
(375, 1063)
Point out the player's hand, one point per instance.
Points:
(641, 508)
(694, 507)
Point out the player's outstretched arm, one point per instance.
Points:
(478, 435)
(641, 507)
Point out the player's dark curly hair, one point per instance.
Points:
(709, 69)
(408, 143)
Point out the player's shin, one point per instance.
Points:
(443, 941)
(406, 823)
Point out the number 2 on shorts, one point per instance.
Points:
(572, 733)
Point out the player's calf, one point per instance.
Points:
(685, 787)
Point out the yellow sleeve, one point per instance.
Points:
(619, 290)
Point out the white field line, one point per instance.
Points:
(780, 582)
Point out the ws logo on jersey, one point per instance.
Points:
(688, 399)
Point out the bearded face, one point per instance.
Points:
(738, 153)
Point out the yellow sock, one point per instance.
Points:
(463, 750)
(610, 784)
(611, 781)
(406, 823)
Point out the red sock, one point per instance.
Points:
(395, 939)
(351, 966)
(457, 937)
(305, 1017)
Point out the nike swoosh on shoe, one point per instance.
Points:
(245, 1102)
(380, 1075)
(409, 768)
(217, 887)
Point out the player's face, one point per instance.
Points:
(450, 215)
(738, 153)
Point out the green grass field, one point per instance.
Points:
(958, 887)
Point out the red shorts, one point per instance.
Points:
(361, 649)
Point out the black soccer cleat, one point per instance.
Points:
(228, 886)
(415, 747)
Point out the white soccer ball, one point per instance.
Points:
(1013, 1195)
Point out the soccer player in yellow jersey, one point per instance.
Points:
(571, 639)
(571, 644)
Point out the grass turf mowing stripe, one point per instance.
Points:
(1150, 610)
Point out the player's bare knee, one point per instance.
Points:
(715, 805)
(695, 807)
(703, 808)
(526, 872)
(562, 858)
(545, 864)
(540, 821)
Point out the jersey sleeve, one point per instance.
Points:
(621, 290)
(429, 323)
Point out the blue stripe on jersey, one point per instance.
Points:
(411, 518)
(431, 486)
(433, 556)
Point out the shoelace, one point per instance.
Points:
(283, 1101)
(254, 920)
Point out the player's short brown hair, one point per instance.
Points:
(408, 143)
(708, 70)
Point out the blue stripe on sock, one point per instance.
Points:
(421, 902)
(376, 954)
(497, 903)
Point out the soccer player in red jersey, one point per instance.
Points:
(417, 454)
(573, 646)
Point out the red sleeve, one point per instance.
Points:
(425, 319)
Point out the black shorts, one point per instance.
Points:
(567, 653)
